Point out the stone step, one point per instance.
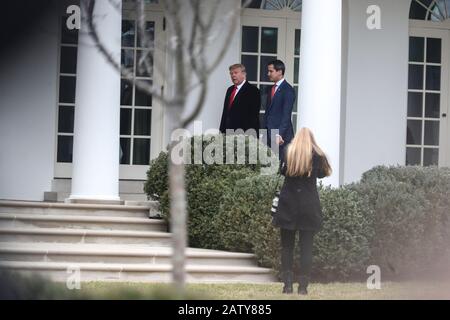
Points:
(100, 253)
(23, 220)
(57, 235)
(61, 271)
(78, 209)
(138, 197)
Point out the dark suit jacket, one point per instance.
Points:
(279, 111)
(244, 113)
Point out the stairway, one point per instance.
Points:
(107, 243)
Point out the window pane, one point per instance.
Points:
(413, 156)
(254, 4)
(67, 89)
(417, 11)
(416, 49)
(127, 59)
(262, 124)
(126, 93)
(150, 33)
(125, 121)
(296, 99)
(269, 40)
(431, 133)
(68, 36)
(433, 78)
(432, 105)
(294, 122)
(297, 41)
(124, 152)
(265, 93)
(414, 133)
(250, 39)
(251, 65)
(263, 67)
(68, 60)
(141, 152)
(128, 33)
(415, 104)
(430, 157)
(65, 119)
(142, 122)
(65, 147)
(144, 58)
(415, 77)
(434, 50)
(296, 69)
(141, 98)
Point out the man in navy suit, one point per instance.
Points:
(280, 101)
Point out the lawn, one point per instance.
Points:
(334, 291)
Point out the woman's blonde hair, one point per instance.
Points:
(300, 155)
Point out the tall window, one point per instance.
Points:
(424, 94)
(66, 100)
(136, 106)
(259, 47)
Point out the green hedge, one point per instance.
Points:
(250, 199)
(395, 217)
(206, 185)
(341, 248)
(411, 210)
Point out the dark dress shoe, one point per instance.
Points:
(288, 279)
(303, 285)
(302, 291)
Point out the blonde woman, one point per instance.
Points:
(299, 205)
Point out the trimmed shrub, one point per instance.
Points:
(341, 248)
(411, 209)
(249, 200)
(206, 185)
(157, 177)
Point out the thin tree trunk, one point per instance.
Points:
(178, 223)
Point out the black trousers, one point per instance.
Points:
(287, 251)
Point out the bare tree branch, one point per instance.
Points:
(145, 41)
(231, 31)
(125, 73)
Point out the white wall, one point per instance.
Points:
(28, 86)
(376, 88)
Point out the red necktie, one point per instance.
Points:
(274, 88)
(232, 96)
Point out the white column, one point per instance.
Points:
(95, 175)
(320, 77)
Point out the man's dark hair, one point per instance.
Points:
(278, 65)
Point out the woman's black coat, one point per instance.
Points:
(299, 205)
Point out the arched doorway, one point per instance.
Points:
(428, 83)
